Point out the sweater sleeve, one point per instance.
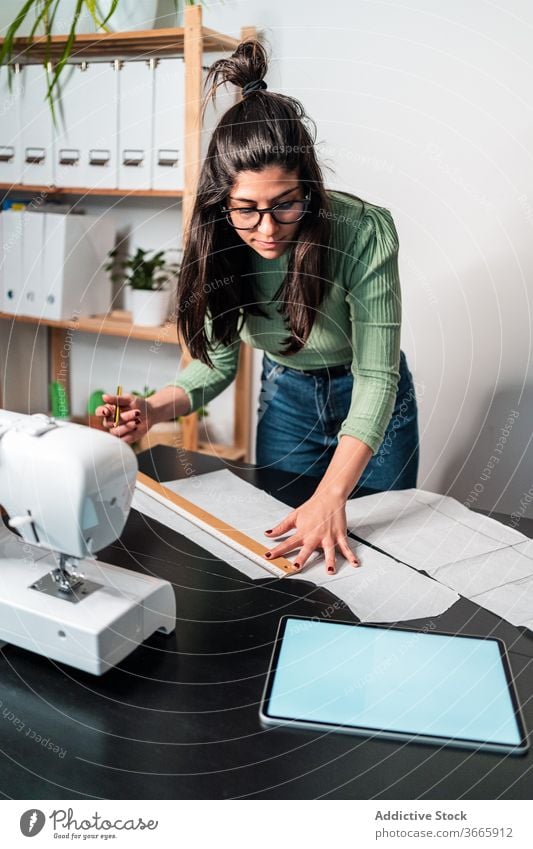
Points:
(201, 382)
(374, 300)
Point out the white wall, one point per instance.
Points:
(427, 110)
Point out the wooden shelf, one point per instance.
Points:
(66, 190)
(216, 449)
(117, 323)
(213, 449)
(142, 44)
(191, 42)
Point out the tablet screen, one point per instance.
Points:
(394, 682)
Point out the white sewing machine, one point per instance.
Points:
(67, 490)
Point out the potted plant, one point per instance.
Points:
(163, 433)
(45, 17)
(70, 17)
(96, 400)
(148, 280)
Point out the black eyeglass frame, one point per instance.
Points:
(271, 209)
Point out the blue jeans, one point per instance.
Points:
(300, 416)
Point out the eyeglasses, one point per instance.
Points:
(287, 212)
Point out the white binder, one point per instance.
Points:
(11, 224)
(86, 140)
(53, 264)
(169, 124)
(74, 282)
(135, 130)
(31, 300)
(10, 150)
(36, 129)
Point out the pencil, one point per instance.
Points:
(117, 408)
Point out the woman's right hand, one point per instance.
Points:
(135, 419)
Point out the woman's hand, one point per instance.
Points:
(135, 417)
(319, 523)
(138, 415)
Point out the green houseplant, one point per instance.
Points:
(148, 276)
(41, 17)
(163, 433)
(44, 14)
(201, 412)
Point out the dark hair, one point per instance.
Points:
(264, 128)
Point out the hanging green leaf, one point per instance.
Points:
(45, 15)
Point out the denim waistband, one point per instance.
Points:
(326, 371)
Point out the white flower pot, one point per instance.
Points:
(7, 16)
(167, 15)
(8, 13)
(149, 308)
(131, 15)
(126, 298)
(65, 16)
(62, 21)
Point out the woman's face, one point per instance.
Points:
(262, 189)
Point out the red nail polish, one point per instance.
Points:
(296, 565)
(331, 570)
(268, 554)
(268, 532)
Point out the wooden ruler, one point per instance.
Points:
(217, 527)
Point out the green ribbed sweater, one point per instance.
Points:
(358, 322)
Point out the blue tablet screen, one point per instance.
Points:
(393, 680)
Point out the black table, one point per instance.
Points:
(179, 718)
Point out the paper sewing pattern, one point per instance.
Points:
(480, 558)
(501, 581)
(148, 506)
(426, 530)
(380, 590)
(464, 552)
(228, 532)
(383, 590)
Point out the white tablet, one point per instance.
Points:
(422, 686)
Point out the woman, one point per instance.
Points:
(310, 277)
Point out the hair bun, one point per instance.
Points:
(245, 68)
(254, 85)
